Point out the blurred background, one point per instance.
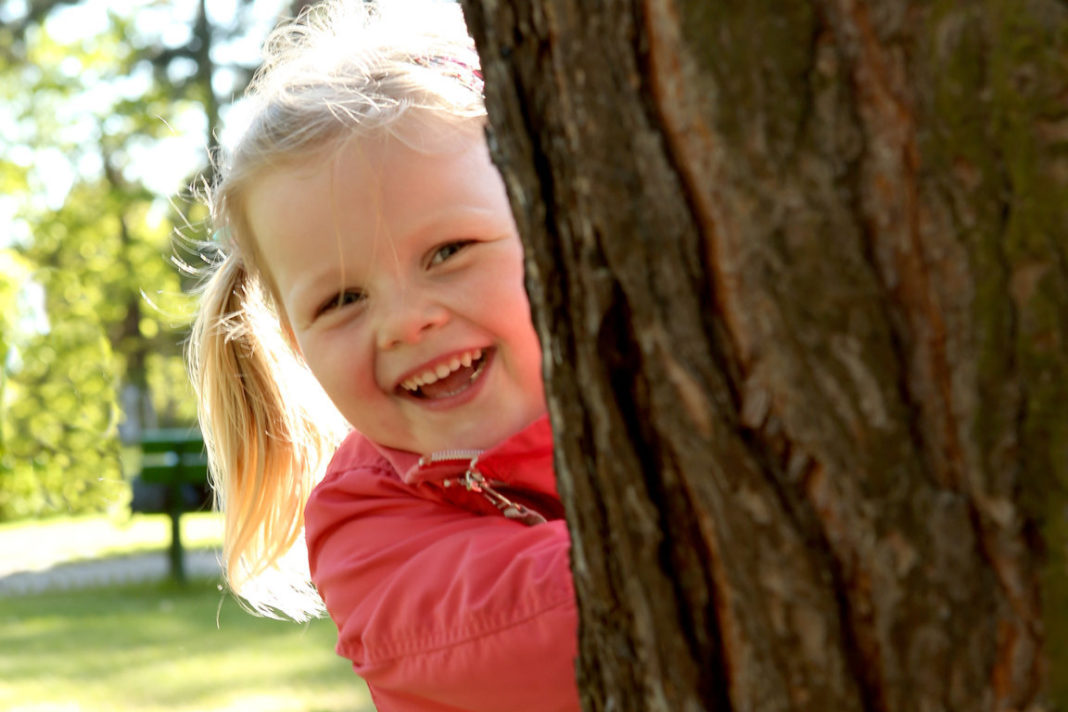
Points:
(109, 111)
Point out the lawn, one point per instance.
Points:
(157, 647)
(37, 545)
(154, 647)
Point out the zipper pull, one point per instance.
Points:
(474, 481)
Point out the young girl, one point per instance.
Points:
(368, 241)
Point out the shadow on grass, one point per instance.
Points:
(162, 647)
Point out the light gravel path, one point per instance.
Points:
(134, 568)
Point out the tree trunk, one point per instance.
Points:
(800, 276)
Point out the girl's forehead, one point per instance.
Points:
(417, 135)
(382, 181)
(412, 167)
(368, 203)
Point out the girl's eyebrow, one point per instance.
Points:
(463, 216)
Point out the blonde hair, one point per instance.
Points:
(340, 70)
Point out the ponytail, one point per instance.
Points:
(268, 430)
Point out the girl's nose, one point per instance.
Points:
(408, 320)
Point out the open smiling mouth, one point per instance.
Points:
(448, 378)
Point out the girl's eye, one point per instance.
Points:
(343, 298)
(448, 250)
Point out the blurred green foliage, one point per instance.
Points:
(94, 306)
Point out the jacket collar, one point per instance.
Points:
(524, 459)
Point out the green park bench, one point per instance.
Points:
(173, 480)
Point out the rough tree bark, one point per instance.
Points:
(800, 273)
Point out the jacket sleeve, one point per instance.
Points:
(439, 608)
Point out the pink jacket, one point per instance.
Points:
(441, 601)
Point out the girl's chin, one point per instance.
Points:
(461, 436)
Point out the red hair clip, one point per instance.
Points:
(470, 75)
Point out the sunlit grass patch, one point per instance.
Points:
(158, 647)
(38, 545)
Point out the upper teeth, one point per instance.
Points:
(442, 370)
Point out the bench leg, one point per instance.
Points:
(177, 555)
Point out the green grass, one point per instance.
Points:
(154, 648)
(37, 545)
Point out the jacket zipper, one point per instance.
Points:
(448, 455)
(474, 481)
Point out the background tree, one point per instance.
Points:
(800, 275)
(87, 94)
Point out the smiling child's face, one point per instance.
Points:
(401, 276)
